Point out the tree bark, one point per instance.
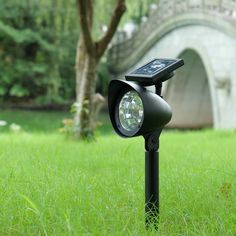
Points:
(87, 91)
(88, 55)
(79, 72)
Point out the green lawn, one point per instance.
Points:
(43, 121)
(50, 185)
(34, 121)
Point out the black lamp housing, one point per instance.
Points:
(157, 112)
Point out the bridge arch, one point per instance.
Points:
(125, 55)
(189, 94)
(204, 30)
(217, 51)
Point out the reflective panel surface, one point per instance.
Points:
(131, 111)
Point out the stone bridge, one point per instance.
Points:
(203, 33)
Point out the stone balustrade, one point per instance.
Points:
(166, 9)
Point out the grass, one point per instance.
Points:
(53, 186)
(43, 121)
(37, 121)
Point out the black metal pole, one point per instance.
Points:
(152, 178)
(151, 188)
(152, 173)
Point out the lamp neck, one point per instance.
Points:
(152, 140)
(158, 85)
(158, 88)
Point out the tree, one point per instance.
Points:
(89, 53)
(36, 39)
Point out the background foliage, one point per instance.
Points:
(37, 50)
(38, 43)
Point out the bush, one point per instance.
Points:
(37, 50)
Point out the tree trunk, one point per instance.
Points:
(87, 85)
(89, 52)
(79, 65)
(79, 71)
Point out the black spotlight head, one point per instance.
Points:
(135, 110)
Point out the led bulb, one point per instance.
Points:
(131, 111)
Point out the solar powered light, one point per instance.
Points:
(135, 110)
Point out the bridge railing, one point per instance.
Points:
(167, 9)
